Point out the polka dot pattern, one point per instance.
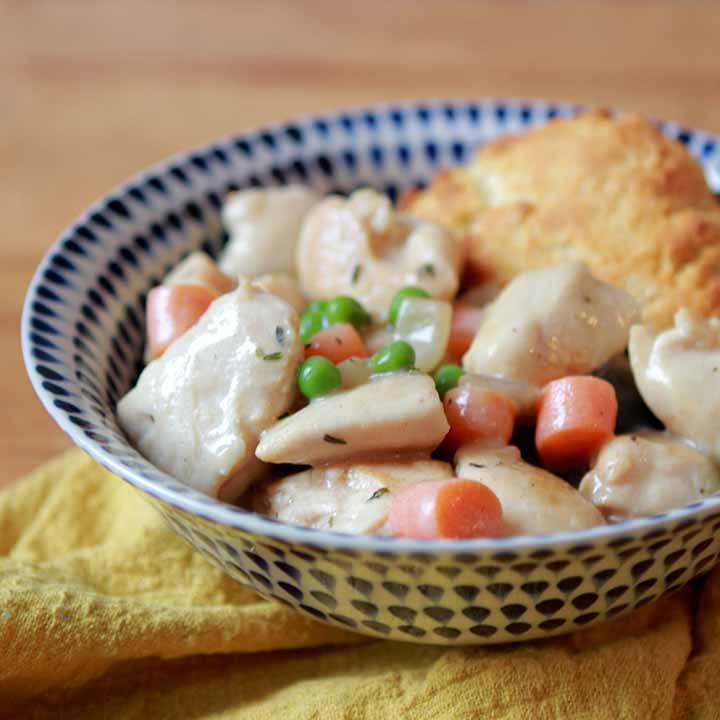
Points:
(82, 334)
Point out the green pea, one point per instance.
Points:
(317, 376)
(447, 377)
(311, 323)
(344, 309)
(400, 295)
(398, 355)
(320, 306)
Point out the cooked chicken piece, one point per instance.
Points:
(396, 413)
(648, 473)
(533, 501)
(264, 226)
(678, 375)
(347, 498)
(360, 246)
(198, 268)
(197, 411)
(549, 323)
(284, 286)
(522, 395)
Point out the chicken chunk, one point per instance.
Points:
(264, 226)
(197, 411)
(198, 268)
(362, 247)
(396, 413)
(648, 473)
(284, 286)
(678, 375)
(353, 498)
(533, 500)
(549, 323)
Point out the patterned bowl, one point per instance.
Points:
(82, 336)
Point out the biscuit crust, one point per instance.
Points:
(613, 192)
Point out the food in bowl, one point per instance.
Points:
(612, 192)
(349, 365)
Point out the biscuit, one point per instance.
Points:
(613, 192)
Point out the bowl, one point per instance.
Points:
(82, 337)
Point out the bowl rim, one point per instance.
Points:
(209, 509)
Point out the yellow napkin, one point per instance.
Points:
(104, 613)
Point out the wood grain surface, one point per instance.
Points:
(91, 92)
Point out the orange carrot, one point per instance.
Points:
(477, 415)
(450, 508)
(171, 311)
(337, 343)
(466, 320)
(576, 417)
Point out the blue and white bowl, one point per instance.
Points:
(82, 337)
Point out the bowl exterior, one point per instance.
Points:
(460, 598)
(82, 335)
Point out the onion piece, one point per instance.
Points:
(353, 372)
(425, 324)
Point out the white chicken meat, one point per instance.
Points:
(399, 412)
(533, 500)
(549, 323)
(360, 246)
(353, 498)
(197, 411)
(678, 375)
(647, 473)
(264, 227)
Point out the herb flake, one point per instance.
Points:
(477, 465)
(271, 357)
(378, 493)
(428, 269)
(357, 270)
(334, 440)
(280, 334)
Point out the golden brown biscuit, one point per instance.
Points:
(612, 192)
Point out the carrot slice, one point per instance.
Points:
(449, 508)
(337, 343)
(466, 320)
(576, 416)
(477, 415)
(171, 311)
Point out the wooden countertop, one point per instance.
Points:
(93, 92)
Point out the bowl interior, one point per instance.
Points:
(83, 326)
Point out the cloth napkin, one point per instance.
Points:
(104, 613)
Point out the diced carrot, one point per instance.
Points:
(337, 343)
(576, 417)
(479, 416)
(406, 198)
(449, 508)
(171, 311)
(466, 320)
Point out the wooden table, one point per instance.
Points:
(92, 92)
